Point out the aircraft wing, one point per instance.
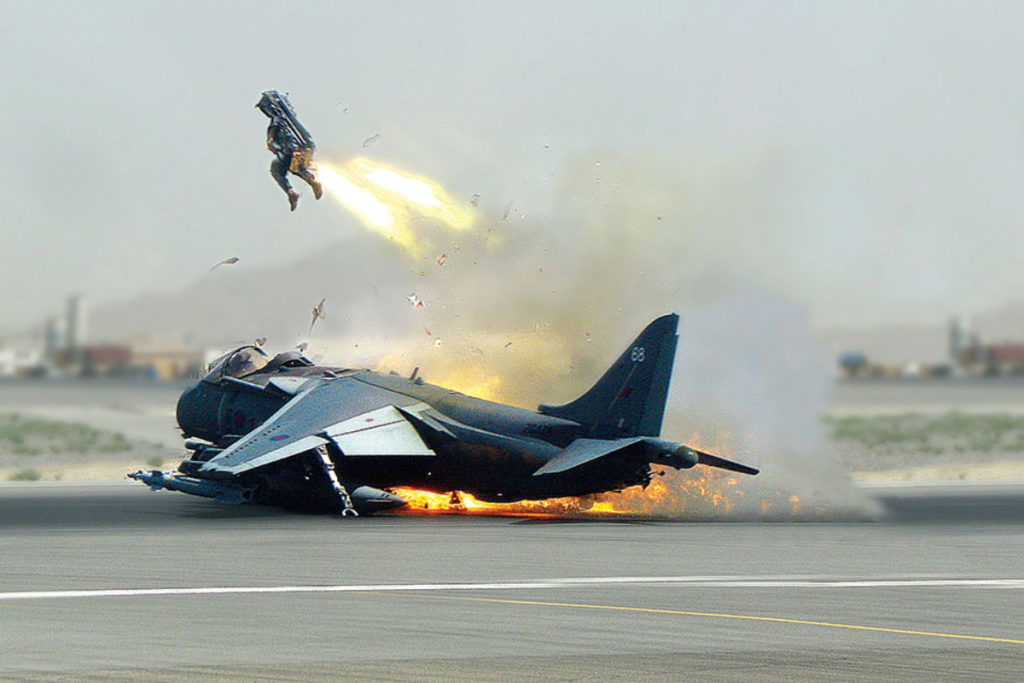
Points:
(583, 451)
(361, 420)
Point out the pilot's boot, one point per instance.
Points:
(293, 198)
(309, 176)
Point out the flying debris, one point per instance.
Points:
(371, 141)
(441, 259)
(437, 343)
(415, 301)
(225, 262)
(283, 431)
(475, 200)
(291, 144)
(318, 314)
(261, 341)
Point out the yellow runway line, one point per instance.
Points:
(716, 615)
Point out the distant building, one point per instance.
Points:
(963, 342)
(104, 359)
(1004, 359)
(53, 338)
(853, 363)
(14, 362)
(166, 361)
(7, 368)
(77, 322)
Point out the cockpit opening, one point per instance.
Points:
(238, 364)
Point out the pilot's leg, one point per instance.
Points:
(279, 169)
(307, 174)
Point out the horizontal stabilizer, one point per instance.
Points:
(583, 451)
(722, 463)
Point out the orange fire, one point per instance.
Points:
(708, 494)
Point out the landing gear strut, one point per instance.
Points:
(347, 509)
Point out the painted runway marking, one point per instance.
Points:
(553, 583)
(744, 617)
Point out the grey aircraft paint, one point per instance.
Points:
(286, 432)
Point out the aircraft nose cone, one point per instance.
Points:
(197, 413)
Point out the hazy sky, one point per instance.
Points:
(870, 154)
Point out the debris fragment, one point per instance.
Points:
(318, 313)
(437, 343)
(225, 262)
(303, 346)
(475, 200)
(415, 301)
(508, 344)
(441, 259)
(372, 140)
(507, 211)
(260, 341)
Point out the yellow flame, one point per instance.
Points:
(388, 201)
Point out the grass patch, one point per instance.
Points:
(31, 436)
(25, 474)
(948, 433)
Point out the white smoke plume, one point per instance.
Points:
(533, 308)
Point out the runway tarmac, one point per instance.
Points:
(116, 582)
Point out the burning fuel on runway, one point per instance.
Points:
(712, 495)
(683, 495)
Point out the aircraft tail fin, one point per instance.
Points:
(629, 399)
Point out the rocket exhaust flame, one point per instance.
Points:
(389, 202)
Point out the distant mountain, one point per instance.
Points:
(236, 303)
(366, 284)
(1005, 323)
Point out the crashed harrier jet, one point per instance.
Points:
(283, 431)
